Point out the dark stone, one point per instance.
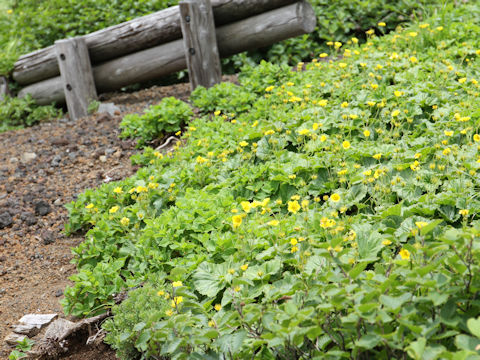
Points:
(5, 220)
(48, 237)
(58, 293)
(42, 208)
(59, 141)
(57, 159)
(28, 218)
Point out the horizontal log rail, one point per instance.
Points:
(136, 35)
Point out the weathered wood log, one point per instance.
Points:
(77, 76)
(4, 91)
(258, 31)
(135, 35)
(200, 42)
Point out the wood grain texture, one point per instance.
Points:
(258, 31)
(135, 35)
(4, 91)
(77, 76)
(200, 42)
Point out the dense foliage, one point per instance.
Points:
(166, 117)
(334, 214)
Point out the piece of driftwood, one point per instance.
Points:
(77, 76)
(200, 42)
(56, 343)
(135, 35)
(257, 31)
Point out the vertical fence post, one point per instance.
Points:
(3, 88)
(77, 76)
(200, 42)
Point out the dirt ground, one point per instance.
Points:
(41, 169)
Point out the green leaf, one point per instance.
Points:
(417, 348)
(209, 279)
(231, 343)
(474, 326)
(368, 341)
(466, 342)
(394, 302)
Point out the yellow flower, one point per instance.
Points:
(270, 88)
(113, 210)
(243, 143)
(370, 32)
(169, 312)
(244, 267)
(305, 204)
(381, 24)
(273, 222)
(476, 137)
(294, 249)
(125, 221)
(413, 59)
(237, 288)
(211, 323)
(377, 156)
(421, 224)
(412, 33)
(424, 26)
(366, 133)
(398, 93)
(322, 103)
(293, 206)
(374, 86)
(177, 284)
(118, 190)
(323, 138)
(237, 221)
(231, 271)
(462, 80)
(464, 212)
(386, 242)
(446, 151)
(354, 40)
(246, 206)
(323, 55)
(346, 144)
(304, 132)
(404, 254)
(89, 206)
(216, 113)
(335, 197)
(293, 176)
(218, 307)
(293, 241)
(395, 113)
(201, 160)
(176, 301)
(161, 293)
(269, 132)
(448, 132)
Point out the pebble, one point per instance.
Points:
(48, 237)
(57, 202)
(103, 158)
(5, 220)
(57, 159)
(28, 157)
(28, 218)
(13, 160)
(109, 108)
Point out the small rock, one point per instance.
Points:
(28, 330)
(13, 160)
(103, 158)
(13, 339)
(59, 141)
(57, 159)
(28, 157)
(42, 208)
(109, 151)
(48, 237)
(58, 202)
(109, 108)
(29, 218)
(5, 220)
(38, 320)
(58, 293)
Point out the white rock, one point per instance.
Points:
(13, 339)
(29, 330)
(37, 320)
(103, 158)
(110, 108)
(28, 157)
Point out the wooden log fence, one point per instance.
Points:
(263, 29)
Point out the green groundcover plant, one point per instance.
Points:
(334, 214)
